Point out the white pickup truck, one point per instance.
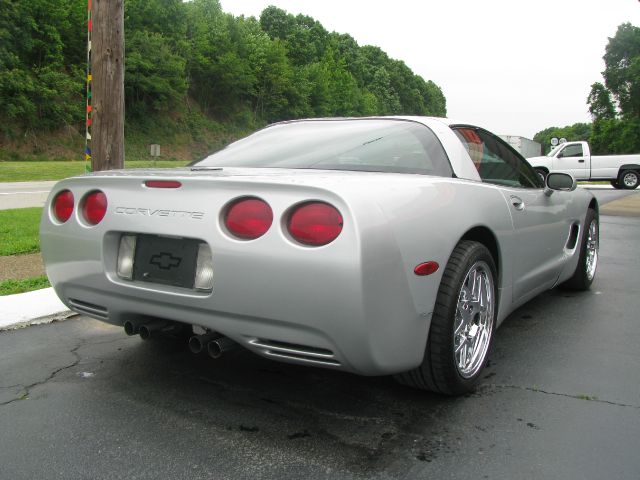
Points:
(623, 171)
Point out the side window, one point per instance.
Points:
(572, 151)
(496, 161)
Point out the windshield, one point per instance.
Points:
(370, 145)
(553, 151)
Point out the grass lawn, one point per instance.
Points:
(54, 170)
(10, 287)
(19, 231)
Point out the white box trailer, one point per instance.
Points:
(527, 148)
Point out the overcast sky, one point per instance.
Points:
(513, 67)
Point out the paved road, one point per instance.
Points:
(24, 194)
(606, 194)
(560, 399)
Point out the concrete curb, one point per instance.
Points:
(30, 308)
(56, 317)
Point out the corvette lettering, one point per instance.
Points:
(148, 212)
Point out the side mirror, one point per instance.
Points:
(559, 181)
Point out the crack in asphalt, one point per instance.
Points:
(26, 389)
(567, 395)
(2, 387)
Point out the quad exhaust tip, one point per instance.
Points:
(198, 343)
(217, 347)
(214, 343)
(131, 328)
(150, 329)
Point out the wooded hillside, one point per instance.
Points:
(194, 74)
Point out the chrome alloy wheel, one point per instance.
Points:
(591, 254)
(630, 179)
(474, 319)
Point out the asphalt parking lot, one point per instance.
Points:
(560, 399)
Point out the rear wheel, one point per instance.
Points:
(628, 179)
(588, 261)
(615, 184)
(462, 324)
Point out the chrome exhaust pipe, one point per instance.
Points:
(148, 330)
(131, 328)
(198, 342)
(217, 347)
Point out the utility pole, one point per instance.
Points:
(107, 66)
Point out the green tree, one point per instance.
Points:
(220, 74)
(618, 132)
(600, 104)
(277, 23)
(575, 132)
(40, 85)
(155, 75)
(615, 136)
(622, 69)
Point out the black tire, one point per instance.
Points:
(615, 184)
(628, 179)
(542, 173)
(439, 371)
(582, 277)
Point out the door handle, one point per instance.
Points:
(581, 161)
(517, 203)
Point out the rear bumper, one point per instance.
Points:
(344, 337)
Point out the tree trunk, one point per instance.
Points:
(107, 65)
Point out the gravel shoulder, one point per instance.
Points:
(18, 267)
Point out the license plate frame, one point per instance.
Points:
(165, 260)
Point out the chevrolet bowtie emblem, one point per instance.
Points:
(165, 261)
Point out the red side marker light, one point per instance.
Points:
(426, 268)
(162, 184)
(63, 206)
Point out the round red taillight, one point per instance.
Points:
(63, 206)
(94, 207)
(248, 218)
(315, 223)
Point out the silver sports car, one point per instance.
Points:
(377, 246)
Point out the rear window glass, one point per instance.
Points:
(359, 145)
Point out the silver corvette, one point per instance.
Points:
(377, 246)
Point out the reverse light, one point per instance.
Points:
(126, 254)
(248, 218)
(315, 223)
(204, 269)
(63, 206)
(94, 207)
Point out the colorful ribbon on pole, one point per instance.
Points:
(87, 140)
